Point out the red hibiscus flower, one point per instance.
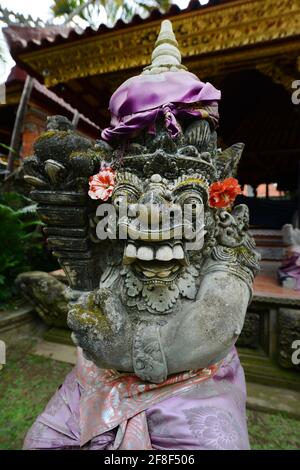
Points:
(223, 193)
(102, 184)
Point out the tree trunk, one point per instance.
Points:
(16, 134)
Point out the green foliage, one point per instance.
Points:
(89, 10)
(65, 7)
(6, 147)
(21, 240)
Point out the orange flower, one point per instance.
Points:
(102, 184)
(223, 193)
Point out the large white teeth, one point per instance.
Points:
(164, 253)
(178, 252)
(145, 253)
(129, 254)
(149, 253)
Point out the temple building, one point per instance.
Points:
(247, 48)
(42, 102)
(250, 50)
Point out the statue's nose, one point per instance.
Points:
(155, 204)
(151, 197)
(151, 207)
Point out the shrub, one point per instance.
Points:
(22, 244)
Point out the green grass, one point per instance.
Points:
(27, 382)
(273, 432)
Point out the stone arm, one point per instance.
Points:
(210, 327)
(102, 328)
(194, 338)
(59, 172)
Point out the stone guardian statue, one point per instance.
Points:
(160, 267)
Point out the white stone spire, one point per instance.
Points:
(166, 56)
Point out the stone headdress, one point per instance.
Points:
(164, 89)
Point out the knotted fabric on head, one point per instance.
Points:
(164, 89)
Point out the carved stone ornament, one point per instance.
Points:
(148, 304)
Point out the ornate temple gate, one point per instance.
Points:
(253, 43)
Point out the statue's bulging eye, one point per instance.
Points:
(119, 200)
(189, 197)
(124, 198)
(190, 201)
(193, 201)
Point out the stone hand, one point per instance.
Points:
(101, 327)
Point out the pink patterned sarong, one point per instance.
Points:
(102, 409)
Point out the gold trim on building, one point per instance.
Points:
(213, 35)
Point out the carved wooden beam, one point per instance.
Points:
(282, 72)
(215, 35)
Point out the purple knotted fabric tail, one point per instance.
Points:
(169, 95)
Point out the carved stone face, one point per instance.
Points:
(160, 220)
(161, 198)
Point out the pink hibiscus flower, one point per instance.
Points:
(102, 184)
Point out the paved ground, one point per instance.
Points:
(28, 381)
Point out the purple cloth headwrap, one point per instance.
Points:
(139, 101)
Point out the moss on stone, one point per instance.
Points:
(242, 250)
(91, 315)
(89, 153)
(49, 134)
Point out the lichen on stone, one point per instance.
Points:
(49, 134)
(89, 313)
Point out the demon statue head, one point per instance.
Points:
(160, 265)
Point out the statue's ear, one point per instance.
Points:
(227, 161)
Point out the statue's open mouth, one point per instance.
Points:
(156, 272)
(155, 263)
